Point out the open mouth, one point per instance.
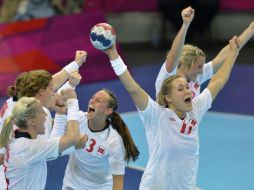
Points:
(187, 100)
(91, 109)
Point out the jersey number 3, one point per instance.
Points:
(91, 146)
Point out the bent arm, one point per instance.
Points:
(71, 135)
(60, 77)
(244, 37)
(221, 77)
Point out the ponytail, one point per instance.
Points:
(25, 109)
(131, 150)
(12, 92)
(6, 132)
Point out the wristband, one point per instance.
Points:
(118, 66)
(72, 109)
(71, 67)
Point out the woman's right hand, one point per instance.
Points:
(82, 140)
(112, 52)
(187, 15)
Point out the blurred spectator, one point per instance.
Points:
(29, 9)
(205, 11)
(16, 10)
(8, 10)
(68, 6)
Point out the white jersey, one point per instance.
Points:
(173, 145)
(194, 86)
(6, 111)
(25, 162)
(93, 166)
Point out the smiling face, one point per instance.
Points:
(98, 105)
(39, 119)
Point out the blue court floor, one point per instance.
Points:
(226, 150)
(226, 153)
(226, 136)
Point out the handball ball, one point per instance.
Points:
(102, 36)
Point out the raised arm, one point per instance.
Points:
(59, 127)
(218, 81)
(244, 37)
(178, 43)
(139, 96)
(71, 135)
(60, 77)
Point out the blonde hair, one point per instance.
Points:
(166, 89)
(24, 109)
(189, 54)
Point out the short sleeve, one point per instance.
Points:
(202, 103)
(117, 158)
(151, 114)
(163, 74)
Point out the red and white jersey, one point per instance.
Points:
(194, 86)
(6, 111)
(173, 145)
(25, 162)
(93, 166)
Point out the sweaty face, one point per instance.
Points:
(196, 68)
(180, 98)
(98, 105)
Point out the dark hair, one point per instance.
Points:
(13, 90)
(131, 150)
(12, 93)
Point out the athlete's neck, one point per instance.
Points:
(97, 126)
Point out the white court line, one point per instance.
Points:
(211, 113)
(134, 167)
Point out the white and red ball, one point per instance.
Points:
(102, 36)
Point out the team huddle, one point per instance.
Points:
(97, 140)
